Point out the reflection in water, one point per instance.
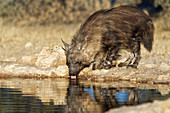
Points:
(79, 101)
(60, 96)
(12, 101)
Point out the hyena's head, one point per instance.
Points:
(76, 58)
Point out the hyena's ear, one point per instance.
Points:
(66, 46)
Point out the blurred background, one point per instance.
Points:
(26, 26)
(30, 12)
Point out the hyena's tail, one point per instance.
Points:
(148, 36)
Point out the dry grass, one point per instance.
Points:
(14, 38)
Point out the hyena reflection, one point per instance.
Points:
(104, 33)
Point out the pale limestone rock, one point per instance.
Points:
(61, 70)
(17, 69)
(164, 90)
(47, 58)
(62, 56)
(85, 71)
(28, 59)
(164, 66)
(45, 63)
(11, 59)
(163, 77)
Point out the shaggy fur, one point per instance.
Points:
(104, 33)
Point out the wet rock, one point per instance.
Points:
(164, 66)
(28, 59)
(47, 58)
(61, 70)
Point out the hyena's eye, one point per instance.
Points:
(78, 63)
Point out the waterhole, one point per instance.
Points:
(61, 95)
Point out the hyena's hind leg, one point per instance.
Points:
(134, 56)
(136, 51)
(128, 60)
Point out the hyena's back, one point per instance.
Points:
(117, 24)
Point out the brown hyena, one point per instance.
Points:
(104, 33)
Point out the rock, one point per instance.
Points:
(11, 59)
(17, 69)
(28, 45)
(47, 58)
(61, 70)
(26, 70)
(85, 71)
(164, 66)
(164, 91)
(62, 57)
(163, 77)
(28, 59)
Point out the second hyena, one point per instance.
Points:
(104, 34)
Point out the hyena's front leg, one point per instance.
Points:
(99, 59)
(111, 58)
(110, 61)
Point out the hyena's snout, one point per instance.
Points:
(74, 70)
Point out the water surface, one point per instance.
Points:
(61, 95)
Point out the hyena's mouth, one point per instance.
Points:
(73, 77)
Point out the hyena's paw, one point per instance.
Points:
(102, 65)
(132, 66)
(122, 64)
(106, 65)
(96, 65)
